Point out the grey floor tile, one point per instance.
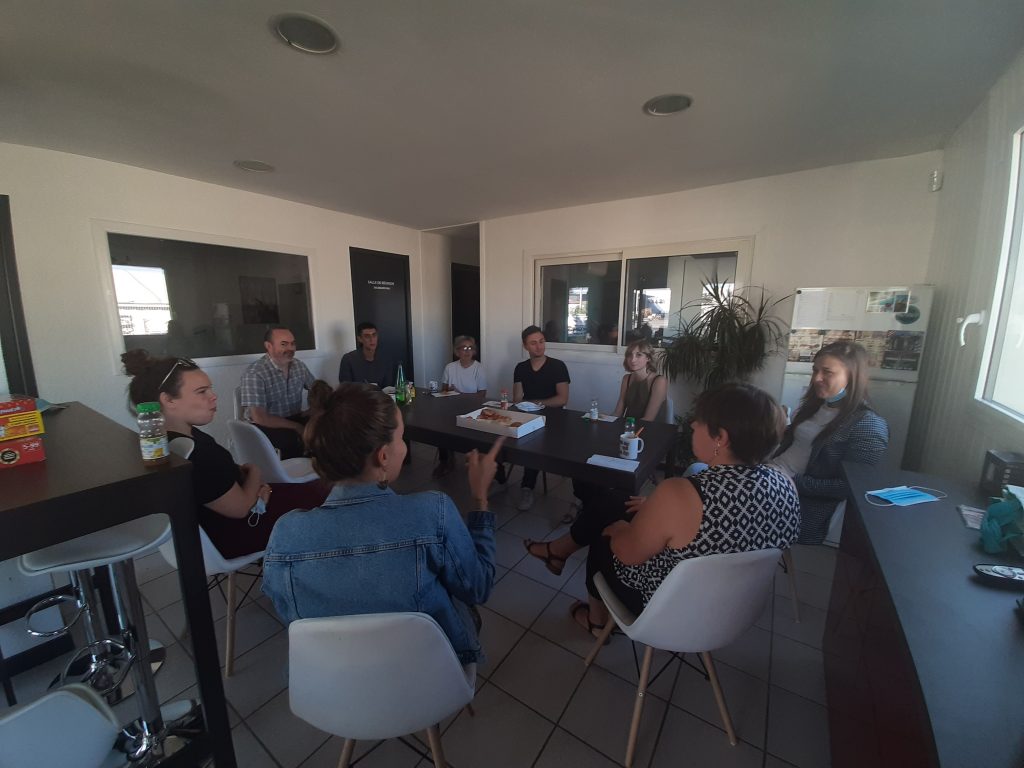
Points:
(811, 589)
(509, 548)
(503, 734)
(751, 652)
(798, 668)
(150, 567)
(519, 598)
(529, 525)
(811, 628)
(252, 626)
(764, 621)
(177, 674)
(259, 675)
(498, 636)
(540, 674)
(797, 729)
(774, 762)
(162, 591)
(600, 713)
(816, 559)
(382, 754)
(745, 695)
(701, 744)
(248, 751)
(289, 740)
(557, 625)
(563, 749)
(623, 659)
(576, 585)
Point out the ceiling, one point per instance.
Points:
(439, 113)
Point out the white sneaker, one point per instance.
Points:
(525, 499)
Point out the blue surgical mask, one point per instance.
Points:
(836, 397)
(901, 496)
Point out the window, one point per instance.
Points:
(579, 300)
(198, 300)
(1002, 371)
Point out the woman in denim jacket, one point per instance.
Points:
(833, 424)
(369, 550)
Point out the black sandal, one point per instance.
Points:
(592, 628)
(554, 563)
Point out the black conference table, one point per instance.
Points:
(93, 478)
(924, 663)
(561, 447)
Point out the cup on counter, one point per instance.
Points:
(630, 446)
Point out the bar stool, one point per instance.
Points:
(110, 660)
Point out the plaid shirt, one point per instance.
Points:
(265, 386)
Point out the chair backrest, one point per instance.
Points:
(374, 676)
(254, 447)
(670, 411)
(71, 727)
(707, 602)
(213, 560)
(238, 403)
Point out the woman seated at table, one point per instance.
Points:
(834, 423)
(643, 390)
(737, 504)
(465, 375)
(370, 550)
(234, 506)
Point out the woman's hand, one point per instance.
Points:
(481, 471)
(634, 503)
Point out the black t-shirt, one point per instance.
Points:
(540, 385)
(213, 469)
(380, 371)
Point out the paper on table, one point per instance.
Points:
(449, 393)
(600, 417)
(614, 462)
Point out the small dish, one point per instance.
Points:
(529, 407)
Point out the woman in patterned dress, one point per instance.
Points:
(738, 504)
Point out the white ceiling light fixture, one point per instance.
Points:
(304, 33)
(255, 166)
(667, 104)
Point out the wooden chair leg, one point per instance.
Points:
(709, 665)
(434, 738)
(609, 626)
(638, 705)
(787, 558)
(229, 630)
(346, 753)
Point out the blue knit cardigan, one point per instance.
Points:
(862, 437)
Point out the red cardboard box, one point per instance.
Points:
(26, 450)
(11, 404)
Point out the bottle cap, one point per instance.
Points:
(147, 408)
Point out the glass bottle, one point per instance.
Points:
(630, 425)
(594, 411)
(152, 434)
(400, 392)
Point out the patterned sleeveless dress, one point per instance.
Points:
(746, 508)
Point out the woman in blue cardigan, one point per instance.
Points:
(834, 423)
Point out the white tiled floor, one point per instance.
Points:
(536, 704)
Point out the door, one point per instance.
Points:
(466, 303)
(380, 295)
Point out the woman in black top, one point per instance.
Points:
(226, 494)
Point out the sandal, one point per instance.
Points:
(594, 629)
(554, 563)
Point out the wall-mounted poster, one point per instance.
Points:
(259, 300)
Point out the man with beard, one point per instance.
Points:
(272, 393)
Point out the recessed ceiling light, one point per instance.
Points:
(305, 33)
(254, 165)
(668, 104)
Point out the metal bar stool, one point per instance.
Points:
(110, 660)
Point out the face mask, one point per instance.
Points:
(901, 496)
(836, 397)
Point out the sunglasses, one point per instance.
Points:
(467, 349)
(184, 362)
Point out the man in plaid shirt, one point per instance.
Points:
(272, 393)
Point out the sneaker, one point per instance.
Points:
(525, 499)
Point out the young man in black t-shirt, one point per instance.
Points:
(543, 380)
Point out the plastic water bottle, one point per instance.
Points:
(594, 412)
(504, 399)
(630, 425)
(400, 393)
(152, 434)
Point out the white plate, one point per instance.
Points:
(388, 390)
(529, 407)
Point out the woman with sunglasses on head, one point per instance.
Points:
(643, 391)
(368, 549)
(235, 507)
(833, 423)
(465, 375)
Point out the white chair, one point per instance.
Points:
(238, 403)
(670, 411)
(254, 447)
(705, 603)
(217, 566)
(376, 676)
(71, 727)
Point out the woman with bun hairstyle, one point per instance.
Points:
(235, 507)
(367, 549)
(833, 423)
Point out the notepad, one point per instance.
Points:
(613, 462)
(600, 417)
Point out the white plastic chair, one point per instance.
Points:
(254, 447)
(376, 676)
(670, 411)
(705, 603)
(71, 727)
(216, 566)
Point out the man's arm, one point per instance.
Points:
(258, 415)
(345, 372)
(561, 396)
(517, 392)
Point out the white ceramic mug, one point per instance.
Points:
(630, 446)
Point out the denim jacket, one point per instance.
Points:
(367, 550)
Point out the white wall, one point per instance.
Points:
(56, 198)
(437, 253)
(863, 223)
(950, 431)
